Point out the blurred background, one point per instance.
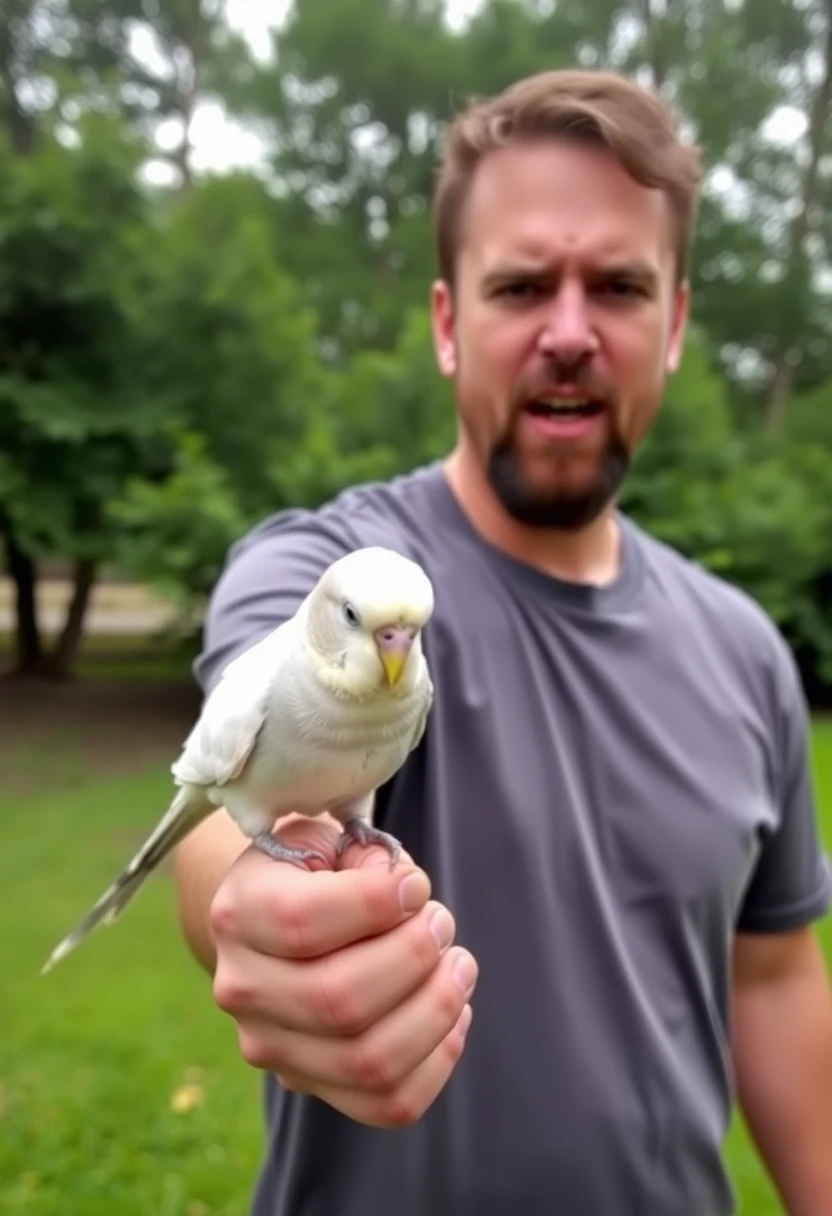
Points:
(215, 252)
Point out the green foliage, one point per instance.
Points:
(224, 345)
(225, 356)
(387, 412)
(397, 399)
(174, 533)
(756, 513)
(68, 437)
(176, 363)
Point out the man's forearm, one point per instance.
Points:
(783, 1061)
(790, 1118)
(200, 864)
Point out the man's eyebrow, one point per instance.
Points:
(506, 272)
(636, 269)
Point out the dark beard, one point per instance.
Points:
(565, 512)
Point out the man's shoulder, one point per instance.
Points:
(369, 513)
(719, 610)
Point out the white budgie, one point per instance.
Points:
(314, 717)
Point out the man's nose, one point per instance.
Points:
(567, 333)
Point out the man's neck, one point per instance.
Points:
(592, 555)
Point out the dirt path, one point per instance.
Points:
(115, 608)
(51, 732)
(54, 732)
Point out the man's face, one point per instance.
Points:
(564, 323)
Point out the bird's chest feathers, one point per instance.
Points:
(341, 749)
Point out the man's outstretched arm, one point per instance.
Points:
(201, 862)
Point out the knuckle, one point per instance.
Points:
(452, 1048)
(370, 1068)
(423, 942)
(223, 914)
(255, 1048)
(376, 897)
(231, 992)
(333, 1002)
(292, 1083)
(400, 1109)
(423, 945)
(290, 912)
(450, 1000)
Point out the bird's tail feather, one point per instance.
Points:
(185, 812)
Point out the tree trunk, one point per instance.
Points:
(19, 125)
(786, 353)
(62, 660)
(22, 570)
(653, 49)
(189, 77)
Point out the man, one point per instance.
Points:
(612, 803)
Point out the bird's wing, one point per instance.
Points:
(422, 721)
(232, 717)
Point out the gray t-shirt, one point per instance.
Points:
(611, 782)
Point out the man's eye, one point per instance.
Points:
(519, 290)
(623, 287)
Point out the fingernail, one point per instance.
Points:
(442, 928)
(413, 891)
(465, 973)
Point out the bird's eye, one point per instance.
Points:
(351, 615)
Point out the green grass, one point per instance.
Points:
(92, 1055)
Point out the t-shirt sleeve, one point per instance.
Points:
(265, 578)
(792, 883)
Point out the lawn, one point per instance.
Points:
(121, 1090)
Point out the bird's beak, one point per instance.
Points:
(394, 643)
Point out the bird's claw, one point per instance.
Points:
(363, 833)
(285, 852)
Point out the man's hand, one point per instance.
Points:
(783, 1062)
(342, 982)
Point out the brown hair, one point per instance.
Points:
(601, 107)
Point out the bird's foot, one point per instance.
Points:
(363, 833)
(285, 852)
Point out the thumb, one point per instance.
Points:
(359, 857)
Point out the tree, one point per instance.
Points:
(225, 355)
(67, 426)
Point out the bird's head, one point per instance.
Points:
(365, 619)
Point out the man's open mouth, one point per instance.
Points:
(557, 407)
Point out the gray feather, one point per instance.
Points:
(187, 809)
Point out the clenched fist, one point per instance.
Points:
(342, 982)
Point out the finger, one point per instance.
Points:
(407, 1102)
(356, 856)
(388, 1051)
(283, 910)
(340, 993)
